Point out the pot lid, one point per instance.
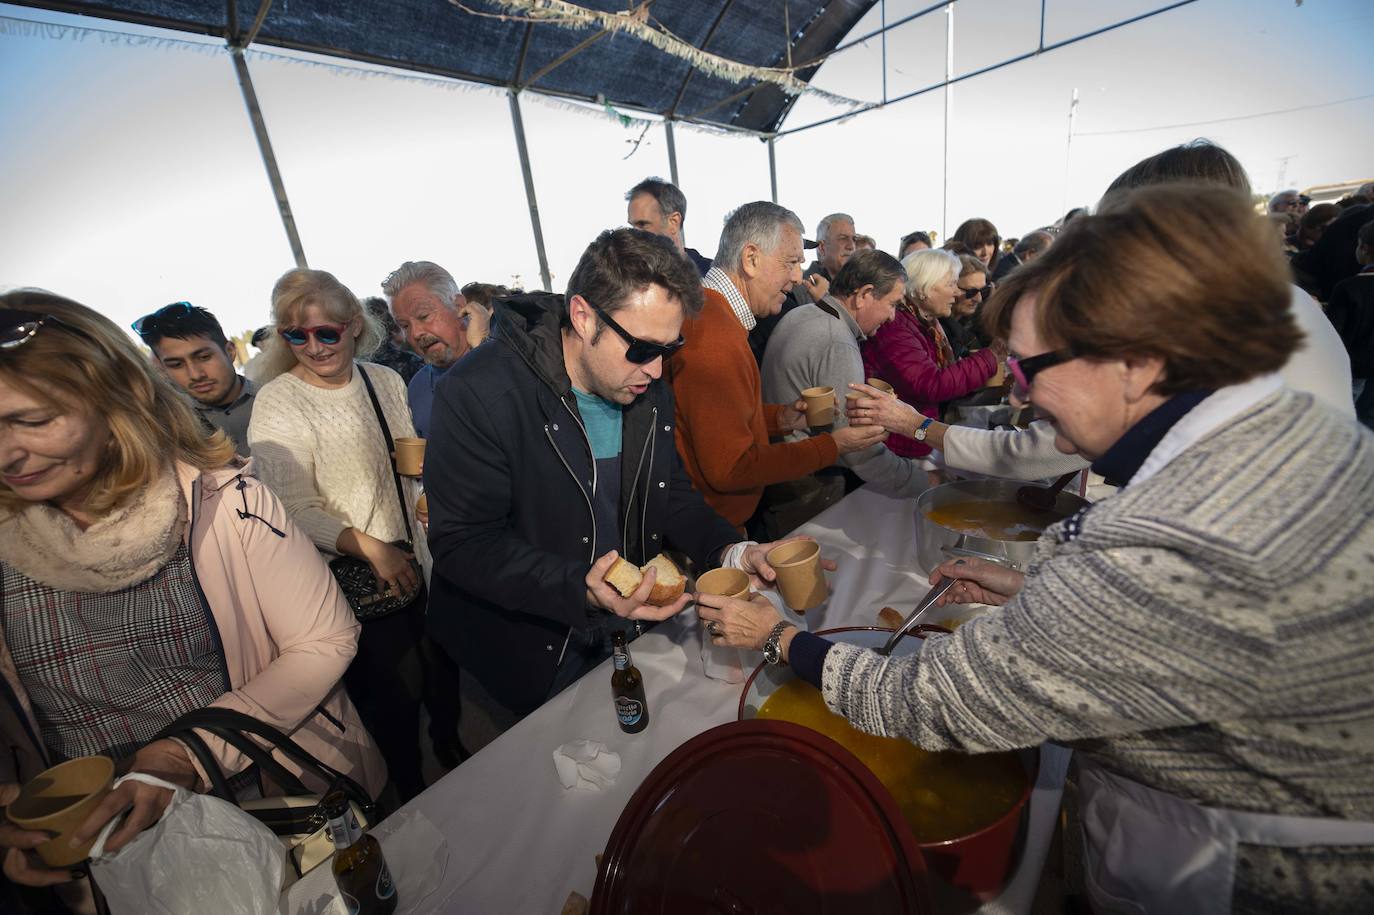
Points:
(761, 816)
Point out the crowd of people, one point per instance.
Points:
(171, 527)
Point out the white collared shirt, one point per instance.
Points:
(720, 281)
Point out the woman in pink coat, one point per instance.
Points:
(911, 352)
(144, 576)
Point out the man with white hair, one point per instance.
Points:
(437, 322)
(835, 244)
(723, 425)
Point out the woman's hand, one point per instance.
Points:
(476, 323)
(390, 565)
(755, 561)
(142, 803)
(883, 409)
(22, 865)
(737, 622)
(979, 582)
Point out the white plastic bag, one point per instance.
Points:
(204, 856)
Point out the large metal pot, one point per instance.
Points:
(936, 543)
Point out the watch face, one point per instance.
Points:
(770, 652)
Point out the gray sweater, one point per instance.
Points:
(1208, 632)
(811, 348)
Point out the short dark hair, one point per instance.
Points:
(1200, 162)
(484, 293)
(913, 237)
(1033, 242)
(669, 198)
(623, 261)
(376, 306)
(1140, 279)
(182, 324)
(1365, 235)
(878, 269)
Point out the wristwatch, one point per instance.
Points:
(772, 646)
(920, 433)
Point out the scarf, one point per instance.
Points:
(122, 548)
(944, 353)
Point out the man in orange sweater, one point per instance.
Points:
(723, 425)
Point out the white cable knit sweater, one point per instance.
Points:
(322, 452)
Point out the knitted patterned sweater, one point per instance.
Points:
(1208, 632)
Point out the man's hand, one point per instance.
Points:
(817, 286)
(22, 864)
(793, 417)
(857, 438)
(754, 560)
(635, 607)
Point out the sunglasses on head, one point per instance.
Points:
(1023, 371)
(19, 327)
(149, 323)
(636, 350)
(327, 334)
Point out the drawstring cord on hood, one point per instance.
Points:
(245, 514)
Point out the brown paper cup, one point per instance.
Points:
(58, 801)
(820, 406)
(422, 504)
(881, 385)
(410, 456)
(800, 579)
(729, 582)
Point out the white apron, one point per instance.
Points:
(1148, 851)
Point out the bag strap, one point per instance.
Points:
(390, 450)
(235, 728)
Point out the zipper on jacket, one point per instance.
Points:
(200, 592)
(336, 722)
(591, 510)
(644, 500)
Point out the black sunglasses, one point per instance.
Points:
(1025, 370)
(639, 351)
(980, 293)
(149, 323)
(19, 327)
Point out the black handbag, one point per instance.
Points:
(355, 578)
(298, 817)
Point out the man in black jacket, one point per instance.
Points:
(551, 453)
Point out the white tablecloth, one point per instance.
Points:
(518, 842)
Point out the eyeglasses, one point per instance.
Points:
(19, 327)
(980, 293)
(327, 334)
(639, 351)
(148, 324)
(1023, 371)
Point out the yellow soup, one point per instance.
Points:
(994, 520)
(942, 795)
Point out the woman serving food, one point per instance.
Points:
(1203, 637)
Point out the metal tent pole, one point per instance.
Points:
(519, 124)
(1068, 148)
(773, 169)
(672, 153)
(269, 159)
(949, 101)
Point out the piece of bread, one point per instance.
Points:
(668, 581)
(890, 618)
(624, 577)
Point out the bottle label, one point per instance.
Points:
(386, 887)
(628, 710)
(622, 660)
(344, 830)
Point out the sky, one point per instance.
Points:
(129, 176)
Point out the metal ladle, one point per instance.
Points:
(914, 617)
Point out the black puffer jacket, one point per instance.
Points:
(508, 473)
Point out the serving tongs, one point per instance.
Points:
(914, 618)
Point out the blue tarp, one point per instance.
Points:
(439, 37)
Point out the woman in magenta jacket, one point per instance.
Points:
(911, 352)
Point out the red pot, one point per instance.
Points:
(976, 867)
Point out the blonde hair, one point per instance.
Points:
(87, 364)
(301, 287)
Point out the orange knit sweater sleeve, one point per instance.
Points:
(721, 413)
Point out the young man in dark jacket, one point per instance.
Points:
(551, 453)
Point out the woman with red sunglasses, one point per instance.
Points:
(318, 443)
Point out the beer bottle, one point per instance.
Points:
(627, 686)
(359, 868)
